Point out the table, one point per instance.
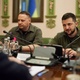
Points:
(55, 73)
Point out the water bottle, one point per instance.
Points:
(5, 46)
(8, 46)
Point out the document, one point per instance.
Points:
(23, 56)
(35, 69)
(32, 69)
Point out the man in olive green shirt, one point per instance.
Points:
(70, 33)
(31, 35)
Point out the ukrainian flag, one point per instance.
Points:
(32, 8)
(23, 3)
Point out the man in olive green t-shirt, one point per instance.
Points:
(67, 37)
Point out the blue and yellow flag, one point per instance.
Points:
(23, 4)
(32, 8)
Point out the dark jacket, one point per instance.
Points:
(12, 71)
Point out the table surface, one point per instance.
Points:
(55, 73)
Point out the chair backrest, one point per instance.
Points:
(2, 36)
(46, 40)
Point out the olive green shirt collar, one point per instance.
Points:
(29, 30)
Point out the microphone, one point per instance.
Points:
(60, 59)
(12, 35)
(69, 64)
(72, 42)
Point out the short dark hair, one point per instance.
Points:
(26, 13)
(69, 15)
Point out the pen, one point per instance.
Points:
(43, 72)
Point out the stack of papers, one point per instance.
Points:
(32, 69)
(35, 69)
(23, 56)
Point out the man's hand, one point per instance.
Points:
(16, 60)
(69, 52)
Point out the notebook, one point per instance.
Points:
(42, 56)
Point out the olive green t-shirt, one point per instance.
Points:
(67, 42)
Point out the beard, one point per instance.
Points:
(71, 32)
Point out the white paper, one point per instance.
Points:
(35, 69)
(23, 56)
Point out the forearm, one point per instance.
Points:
(29, 48)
